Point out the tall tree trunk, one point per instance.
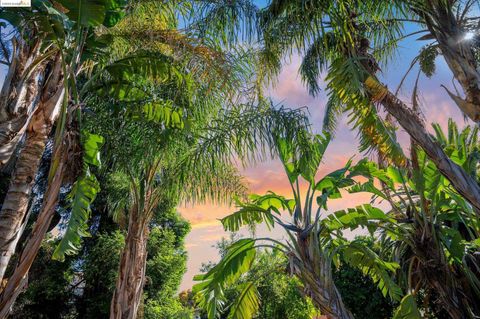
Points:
(16, 201)
(131, 273)
(463, 183)
(17, 281)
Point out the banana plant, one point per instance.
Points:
(313, 239)
(435, 235)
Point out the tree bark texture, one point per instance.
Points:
(16, 201)
(463, 183)
(131, 272)
(314, 271)
(459, 55)
(19, 96)
(17, 281)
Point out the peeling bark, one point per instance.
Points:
(325, 297)
(18, 96)
(16, 201)
(131, 275)
(17, 281)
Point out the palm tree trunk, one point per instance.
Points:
(17, 198)
(18, 279)
(131, 273)
(463, 183)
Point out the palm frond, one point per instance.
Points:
(407, 309)
(246, 132)
(228, 21)
(259, 209)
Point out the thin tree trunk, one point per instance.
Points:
(131, 273)
(17, 281)
(463, 183)
(16, 201)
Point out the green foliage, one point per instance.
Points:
(166, 264)
(280, 294)
(93, 12)
(237, 261)
(170, 308)
(352, 218)
(81, 196)
(92, 144)
(313, 244)
(83, 193)
(335, 39)
(434, 225)
(426, 60)
(50, 290)
(360, 256)
(259, 210)
(359, 292)
(246, 304)
(100, 272)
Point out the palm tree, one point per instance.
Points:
(313, 243)
(22, 53)
(336, 37)
(453, 27)
(63, 28)
(148, 192)
(154, 57)
(182, 159)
